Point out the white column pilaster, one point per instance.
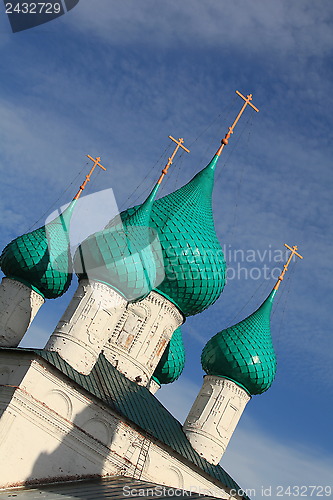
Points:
(141, 336)
(153, 386)
(214, 416)
(19, 305)
(86, 324)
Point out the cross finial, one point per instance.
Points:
(179, 144)
(96, 162)
(285, 267)
(247, 100)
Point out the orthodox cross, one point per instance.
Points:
(247, 102)
(96, 162)
(285, 267)
(170, 160)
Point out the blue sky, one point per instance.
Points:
(115, 79)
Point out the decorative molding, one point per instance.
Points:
(95, 427)
(86, 324)
(55, 405)
(214, 416)
(179, 475)
(139, 339)
(227, 383)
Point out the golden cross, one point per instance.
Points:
(170, 160)
(225, 140)
(87, 179)
(285, 267)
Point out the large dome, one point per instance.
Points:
(126, 255)
(244, 352)
(41, 259)
(194, 263)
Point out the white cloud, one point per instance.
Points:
(278, 28)
(178, 397)
(256, 460)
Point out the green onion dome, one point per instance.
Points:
(194, 263)
(125, 256)
(172, 361)
(244, 352)
(41, 259)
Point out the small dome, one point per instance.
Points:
(126, 255)
(41, 259)
(194, 263)
(172, 361)
(244, 352)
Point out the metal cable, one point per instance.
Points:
(47, 212)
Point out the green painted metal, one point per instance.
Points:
(244, 352)
(193, 259)
(126, 255)
(172, 361)
(41, 259)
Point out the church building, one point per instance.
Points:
(84, 407)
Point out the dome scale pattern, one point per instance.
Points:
(244, 352)
(126, 255)
(41, 259)
(172, 361)
(194, 263)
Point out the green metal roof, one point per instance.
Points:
(244, 352)
(136, 404)
(41, 259)
(125, 255)
(193, 258)
(172, 361)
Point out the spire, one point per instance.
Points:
(244, 352)
(193, 259)
(126, 255)
(96, 162)
(194, 264)
(142, 214)
(41, 259)
(285, 267)
(247, 102)
(179, 144)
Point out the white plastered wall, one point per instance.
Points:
(50, 430)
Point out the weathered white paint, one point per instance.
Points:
(51, 430)
(86, 324)
(138, 341)
(153, 386)
(214, 416)
(19, 305)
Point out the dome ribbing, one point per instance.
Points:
(172, 361)
(41, 259)
(244, 352)
(193, 259)
(125, 255)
